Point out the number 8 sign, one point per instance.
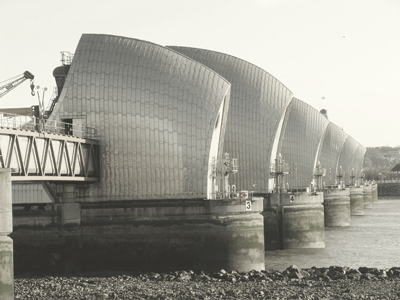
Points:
(248, 205)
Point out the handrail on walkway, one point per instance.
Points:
(13, 121)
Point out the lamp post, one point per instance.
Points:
(340, 173)
(352, 176)
(41, 107)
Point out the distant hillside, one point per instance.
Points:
(379, 161)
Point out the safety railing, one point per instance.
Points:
(66, 57)
(13, 121)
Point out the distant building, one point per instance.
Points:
(396, 168)
(392, 155)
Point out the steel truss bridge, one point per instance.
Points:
(35, 150)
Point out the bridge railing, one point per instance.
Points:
(13, 121)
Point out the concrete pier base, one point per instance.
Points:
(70, 217)
(6, 243)
(357, 201)
(273, 234)
(6, 268)
(294, 221)
(337, 207)
(374, 191)
(210, 236)
(367, 193)
(147, 235)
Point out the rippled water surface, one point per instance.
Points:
(372, 240)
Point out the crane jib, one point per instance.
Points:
(28, 75)
(14, 82)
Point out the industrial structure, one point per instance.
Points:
(11, 83)
(198, 160)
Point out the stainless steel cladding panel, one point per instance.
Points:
(359, 160)
(257, 103)
(300, 140)
(331, 147)
(347, 157)
(154, 111)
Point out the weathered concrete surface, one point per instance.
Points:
(148, 235)
(210, 236)
(357, 201)
(273, 227)
(367, 192)
(6, 224)
(6, 243)
(337, 207)
(47, 239)
(303, 226)
(374, 190)
(6, 268)
(297, 221)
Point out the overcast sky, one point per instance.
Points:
(346, 51)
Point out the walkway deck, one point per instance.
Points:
(49, 152)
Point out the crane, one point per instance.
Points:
(9, 84)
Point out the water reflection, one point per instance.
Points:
(372, 240)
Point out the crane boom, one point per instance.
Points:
(16, 81)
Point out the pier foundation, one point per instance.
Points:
(337, 207)
(374, 190)
(357, 201)
(367, 193)
(294, 221)
(145, 235)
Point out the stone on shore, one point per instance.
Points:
(293, 283)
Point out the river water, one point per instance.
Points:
(372, 240)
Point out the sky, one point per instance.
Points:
(347, 51)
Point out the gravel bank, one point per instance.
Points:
(293, 283)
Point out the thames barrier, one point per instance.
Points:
(163, 158)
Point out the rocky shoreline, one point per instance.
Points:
(293, 283)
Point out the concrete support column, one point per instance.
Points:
(337, 207)
(367, 192)
(6, 243)
(273, 223)
(239, 243)
(70, 218)
(68, 193)
(298, 221)
(357, 201)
